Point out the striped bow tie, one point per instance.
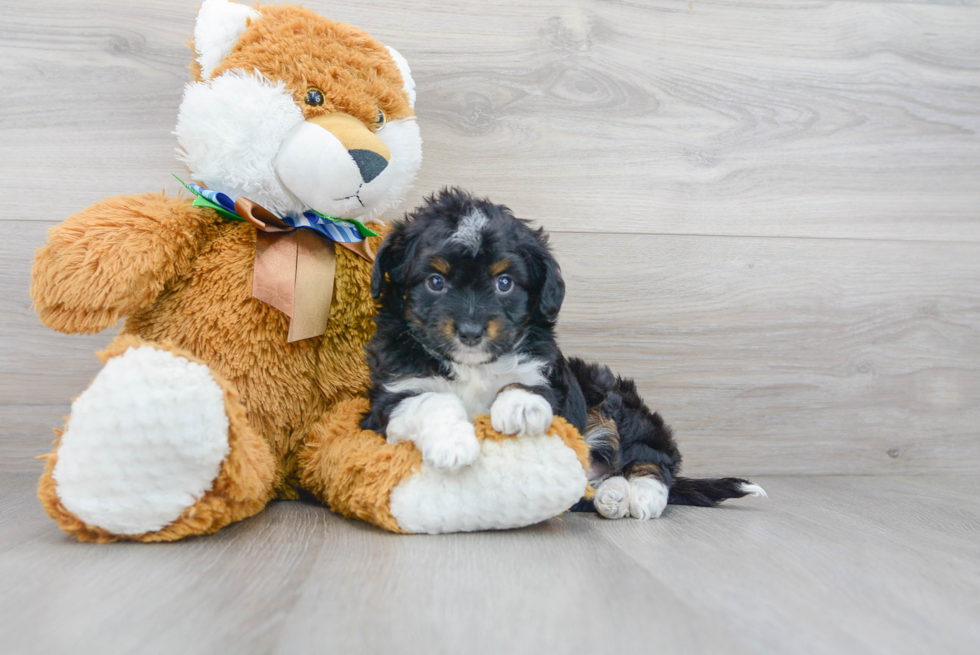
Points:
(335, 229)
(295, 263)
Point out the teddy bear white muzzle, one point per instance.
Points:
(334, 164)
(245, 136)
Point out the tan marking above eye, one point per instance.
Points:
(440, 265)
(499, 267)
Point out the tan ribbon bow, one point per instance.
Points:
(295, 269)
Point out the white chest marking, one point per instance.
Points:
(477, 386)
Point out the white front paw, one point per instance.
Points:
(450, 445)
(612, 498)
(648, 498)
(520, 412)
(438, 426)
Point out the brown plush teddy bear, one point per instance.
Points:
(239, 374)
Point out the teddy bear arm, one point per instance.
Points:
(114, 258)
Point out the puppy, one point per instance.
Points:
(468, 299)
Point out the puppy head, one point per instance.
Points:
(467, 278)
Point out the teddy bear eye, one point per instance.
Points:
(380, 120)
(314, 97)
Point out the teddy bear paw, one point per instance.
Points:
(143, 443)
(521, 412)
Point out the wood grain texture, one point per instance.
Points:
(886, 565)
(829, 119)
(788, 355)
(767, 212)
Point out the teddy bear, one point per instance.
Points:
(239, 373)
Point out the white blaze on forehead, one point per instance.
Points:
(469, 233)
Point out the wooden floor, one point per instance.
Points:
(833, 565)
(768, 213)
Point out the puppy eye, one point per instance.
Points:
(504, 284)
(314, 97)
(436, 283)
(380, 120)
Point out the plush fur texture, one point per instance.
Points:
(249, 128)
(182, 277)
(243, 486)
(512, 483)
(218, 27)
(515, 482)
(146, 400)
(239, 161)
(469, 297)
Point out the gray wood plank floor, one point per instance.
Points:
(860, 564)
(768, 213)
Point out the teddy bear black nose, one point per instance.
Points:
(370, 163)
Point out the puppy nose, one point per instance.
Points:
(470, 333)
(369, 163)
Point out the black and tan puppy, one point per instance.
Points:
(469, 296)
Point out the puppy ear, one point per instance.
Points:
(546, 276)
(552, 290)
(389, 258)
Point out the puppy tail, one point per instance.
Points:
(708, 492)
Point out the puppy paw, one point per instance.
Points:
(451, 445)
(648, 497)
(612, 498)
(438, 426)
(520, 412)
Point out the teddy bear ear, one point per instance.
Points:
(219, 24)
(406, 74)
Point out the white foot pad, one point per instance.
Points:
(612, 498)
(640, 497)
(648, 498)
(143, 443)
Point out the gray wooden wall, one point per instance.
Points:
(768, 213)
